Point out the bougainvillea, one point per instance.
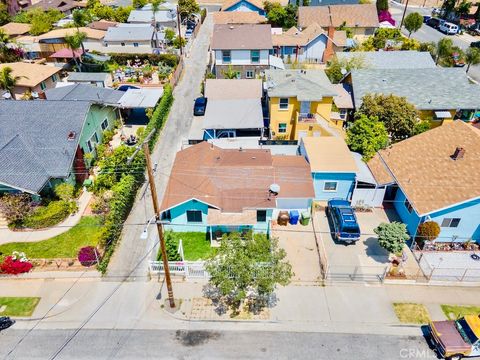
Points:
(15, 264)
(88, 256)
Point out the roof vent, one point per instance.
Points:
(458, 154)
(71, 135)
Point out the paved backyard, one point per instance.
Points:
(450, 266)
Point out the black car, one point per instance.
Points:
(5, 322)
(200, 106)
(475, 44)
(433, 22)
(426, 18)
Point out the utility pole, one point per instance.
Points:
(179, 32)
(156, 208)
(403, 16)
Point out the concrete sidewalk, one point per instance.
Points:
(8, 236)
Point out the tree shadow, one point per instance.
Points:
(375, 251)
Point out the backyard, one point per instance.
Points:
(66, 245)
(196, 245)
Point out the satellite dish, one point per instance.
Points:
(275, 188)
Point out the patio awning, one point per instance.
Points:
(276, 62)
(140, 98)
(66, 53)
(216, 217)
(443, 114)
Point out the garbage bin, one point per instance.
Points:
(305, 219)
(283, 218)
(294, 215)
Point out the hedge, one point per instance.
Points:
(160, 115)
(120, 204)
(169, 59)
(47, 216)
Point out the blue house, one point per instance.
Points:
(244, 5)
(217, 191)
(434, 177)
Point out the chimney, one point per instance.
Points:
(459, 153)
(328, 53)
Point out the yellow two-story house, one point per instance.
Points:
(440, 95)
(300, 103)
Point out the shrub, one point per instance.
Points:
(428, 230)
(50, 215)
(15, 207)
(171, 247)
(88, 256)
(14, 265)
(169, 59)
(392, 236)
(64, 191)
(160, 115)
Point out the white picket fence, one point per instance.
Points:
(189, 269)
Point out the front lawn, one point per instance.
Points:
(410, 313)
(66, 245)
(18, 306)
(454, 312)
(196, 245)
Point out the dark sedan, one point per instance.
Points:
(199, 106)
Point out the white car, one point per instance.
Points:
(448, 28)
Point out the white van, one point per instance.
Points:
(448, 28)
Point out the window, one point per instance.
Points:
(194, 216)
(43, 86)
(283, 105)
(261, 215)
(90, 146)
(408, 206)
(123, 44)
(250, 74)
(255, 56)
(95, 136)
(54, 77)
(330, 186)
(343, 114)
(104, 124)
(282, 128)
(167, 216)
(450, 222)
(226, 56)
(135, 44)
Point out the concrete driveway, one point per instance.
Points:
(299, 243)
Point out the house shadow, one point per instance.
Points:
(375, 251)
(392, 214)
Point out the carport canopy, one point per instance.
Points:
(140, 98)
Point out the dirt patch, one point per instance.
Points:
(195, 337)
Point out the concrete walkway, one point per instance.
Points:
(8, 236)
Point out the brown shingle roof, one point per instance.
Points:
(240, 37)
(229, 3)
(357, 15)
(61, 5)
(425, 171)
(234, 180)
(102, 25)
(238, 17)
(295, 37)
(15, 29)
(31, 74)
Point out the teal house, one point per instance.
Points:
(45, 142)
(218, 191)
(434, 177)
(244, 5)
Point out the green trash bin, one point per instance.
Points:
(305, 218)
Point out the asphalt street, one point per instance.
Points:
(199, 344)
(429, 34)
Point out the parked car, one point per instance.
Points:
(475, 44)
(199, 106)
(448, 28)
(434, 22)
(426, 18)
(456, 339)
(344, 222)
(5, 322)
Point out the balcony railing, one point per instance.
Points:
(306, 117)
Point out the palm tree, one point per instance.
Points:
(7, 80)
(230, 73)
(155, 7)
(74, 42)
(472, 57)
(79, 20)
(444, 49)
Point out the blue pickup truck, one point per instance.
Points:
(344, 222)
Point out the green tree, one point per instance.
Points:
(392, 236)
(64, 191)
(169, 35)
(337, 69)
(171, 246)
(155, 7)
(75, 42)
(444, 49)
(8, 80)
(4, 16)
(245, 272)
(41, 21)
(139, 3)
(463, 8)
(79, 18)
(122, 13)
(396, 113)
(230, 73)
(431, 47)
(382, 5)
(413, 22)
(279, 16)
(472, 57)
(367, 136)
(420, 127)
(448, 6)
(187, 7)
(179, 42)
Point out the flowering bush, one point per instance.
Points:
(17, 263)
(88, 256)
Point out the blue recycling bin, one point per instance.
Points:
(294, 216)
